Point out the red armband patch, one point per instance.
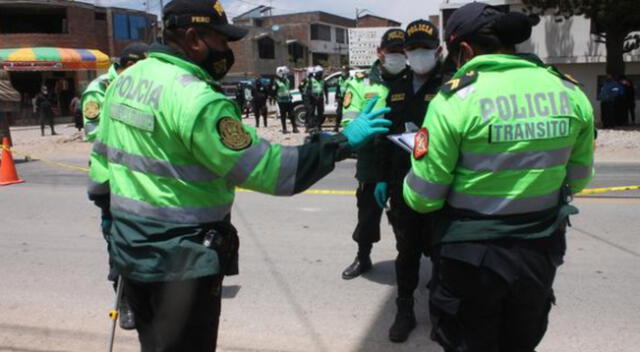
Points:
(421, 144)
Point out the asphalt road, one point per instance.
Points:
(289, 296)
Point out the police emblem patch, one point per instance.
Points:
(421, 144)
(232, 134)
(91, 110)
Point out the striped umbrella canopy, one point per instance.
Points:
(52, 59)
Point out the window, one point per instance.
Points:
(138, 27)
(30, 19)
(320, 32)
(296, 53)
(320, 59)
(130, 27)
(100, 16)
(266, 48)
(340, 36)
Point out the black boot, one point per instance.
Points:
(127, 321)
(359, 266)
(405, 320)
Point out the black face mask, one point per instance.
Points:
(218, 63)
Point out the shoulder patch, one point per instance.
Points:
(232, 134)
(565, 76)
(455, 84)
(347, 100)
(570, 78)
(360, 75)
(91, 110)
(421, 144)
(105, 83)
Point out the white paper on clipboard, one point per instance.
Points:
(404, 140)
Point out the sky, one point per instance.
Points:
(403, 11)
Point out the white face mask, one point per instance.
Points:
(422, 60)
(394, 63)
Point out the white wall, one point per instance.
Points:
(569, 46)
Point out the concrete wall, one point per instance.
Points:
(588, 74)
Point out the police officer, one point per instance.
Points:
(93, 96)
(92, 103)
(174, 148)
(503, 146)
(408, 99)
(305, 91)
(316, 91)
(283, 94)
(389, 67)
(341, 88)
(259, 95)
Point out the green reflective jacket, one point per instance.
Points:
(503, 138)
(358, 90)
(92, 99)
(282, 90)
(174, 148)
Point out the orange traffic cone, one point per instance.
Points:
(8, 174)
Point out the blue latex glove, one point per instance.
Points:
(366, 125)
(381, 194)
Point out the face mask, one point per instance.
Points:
(394, 63)
(421, 60)
(218, 63)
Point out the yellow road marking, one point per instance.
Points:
(332, 191)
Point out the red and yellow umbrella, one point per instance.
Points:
(52, 59)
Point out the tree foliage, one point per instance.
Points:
(614, 23)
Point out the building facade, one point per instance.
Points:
(70, 25)
(568, 45)
(297, 40)
(376, 21)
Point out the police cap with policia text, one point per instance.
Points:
(394, 37)
(208, 13)
(422, 32)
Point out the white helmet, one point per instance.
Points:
(282, 71)
(310, 70)
(318, 69)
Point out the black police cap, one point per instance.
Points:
(393, 37)
(422, 32)
(512, 28)
(209, 13)
(468, 19)
(134, 52)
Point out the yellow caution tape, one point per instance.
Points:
(608, 189)
(331, 191)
